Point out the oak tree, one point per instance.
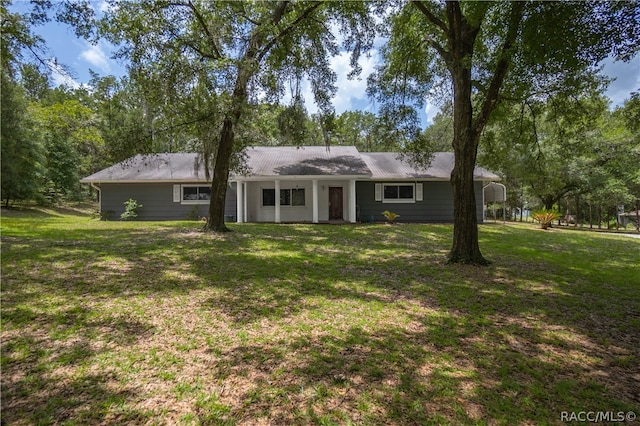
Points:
(240, 53)
(488, 52)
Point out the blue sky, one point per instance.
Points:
(79, 56)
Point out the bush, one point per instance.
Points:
(130, 209)
(545, 217)
(391, 216)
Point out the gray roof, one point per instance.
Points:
(185, 167)
(390, 165)
(284, 161)
(306, 161)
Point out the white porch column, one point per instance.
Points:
(352, 201)
(239, 202)
(315, 201)
(277, 208)
(245, 217)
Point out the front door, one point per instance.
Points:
(335, 203)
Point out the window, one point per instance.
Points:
(193, 194)
(297, 197)
(288, 197)
(268, 197)
(398, 193)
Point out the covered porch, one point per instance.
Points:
(311, 199)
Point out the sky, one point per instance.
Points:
(79, 56)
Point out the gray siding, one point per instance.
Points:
(157, 201)
(437, 204)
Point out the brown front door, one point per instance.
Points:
(335, 203)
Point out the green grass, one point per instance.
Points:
(156, 322)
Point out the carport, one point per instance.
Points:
(495, 193)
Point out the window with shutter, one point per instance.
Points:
(378, 192)
(176, 193)
(398, 193)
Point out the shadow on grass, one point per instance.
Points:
(78, 210)
(395, 376)
(36, 385)
(547, 328)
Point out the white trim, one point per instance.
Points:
(352, 201)
(177, 193)
(277, 200)
(378, 192)
(194, 181)
(359, 178)
(399, 200)
(239, 200)
(245, 216)
(419, 192)
(314, 201)
(290, 197)
(183, 201)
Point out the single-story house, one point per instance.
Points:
(289, 184)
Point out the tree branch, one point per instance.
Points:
(446, 56)
(278, 12)
(491, 99)
(305, 14)
(430, 16)
(216, 52)
(534, 128)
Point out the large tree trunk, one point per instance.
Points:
(215, 222)
(246, 70)
(466, 248)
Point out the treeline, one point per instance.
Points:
(573, 154)
(562, 148)
(52, 137)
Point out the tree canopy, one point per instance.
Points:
(230, 55)
(489, 52)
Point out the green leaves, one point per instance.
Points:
(545, 217)
(22, 150)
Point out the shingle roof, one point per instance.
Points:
(389, 165)
(153, 167)
(306, 161)
(284, 161)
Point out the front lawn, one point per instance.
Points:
(158, 323)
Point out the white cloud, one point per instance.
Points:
(61, 77)
(627, 79)
(350, 92)
(104, 6)
(430, 111)
(96, 57)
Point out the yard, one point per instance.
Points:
(158, 323)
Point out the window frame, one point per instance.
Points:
(289, 197)
(399, 200)
(197, 201)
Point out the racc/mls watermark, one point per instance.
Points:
(597, 416)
